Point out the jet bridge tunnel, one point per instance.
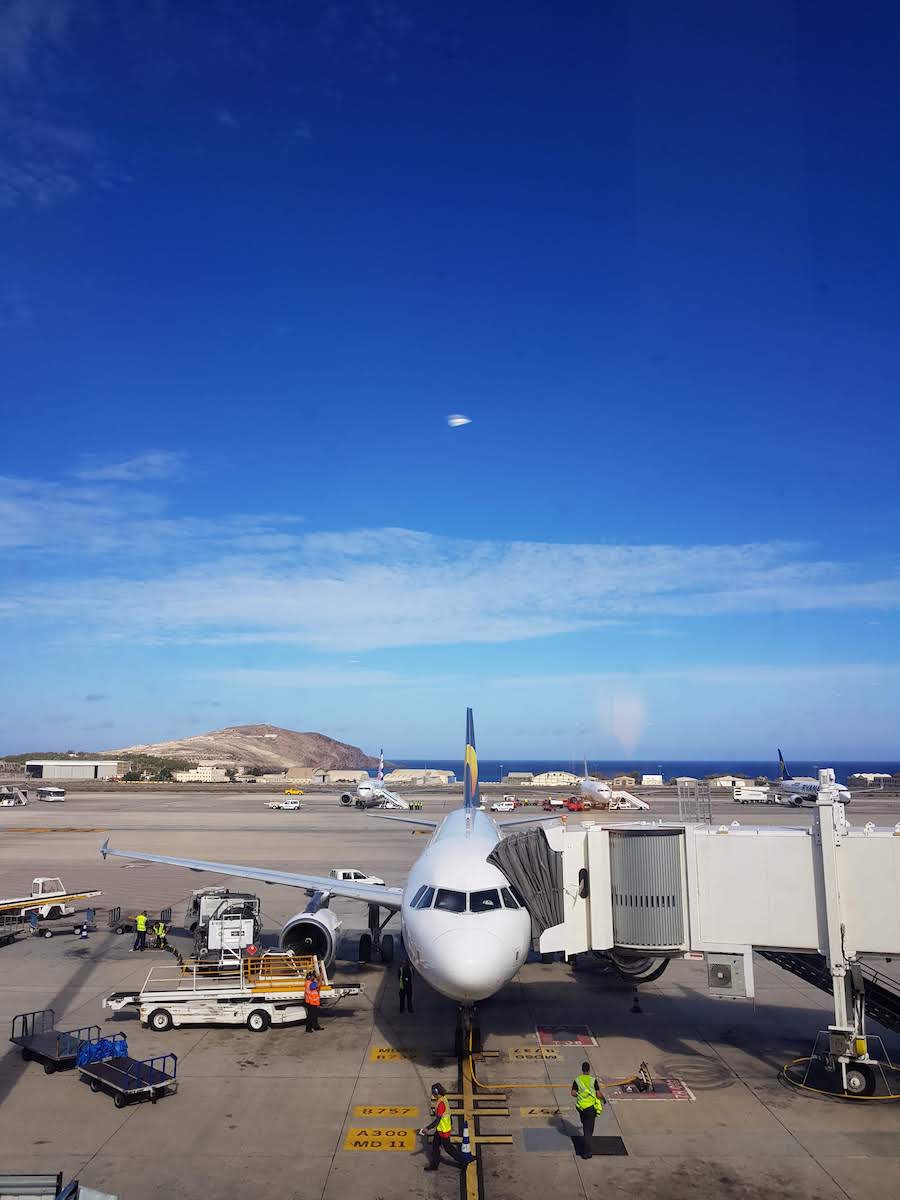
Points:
(816, 901)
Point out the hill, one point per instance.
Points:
(256, 745)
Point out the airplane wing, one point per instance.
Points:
(533, 820)
(421, 822)
(366, 892)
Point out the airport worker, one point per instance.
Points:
(405, 984)
(159, 930)
(440, 1127)
(588, 1102)
(33, 922)
(140, 931)
(312, 1000)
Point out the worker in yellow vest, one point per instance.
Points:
(440, 1127)
(140, 931)
(589, 1102)
(159, 930)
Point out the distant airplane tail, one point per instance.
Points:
(785, 773)
(380, 776)
(471, 765)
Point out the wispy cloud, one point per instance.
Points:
(242, 580)
(28, 29)
(94, 697)
(152, 464)
(226, 118)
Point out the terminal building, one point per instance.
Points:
(74, 768)
(204, 773)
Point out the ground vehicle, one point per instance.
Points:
(351, 875)
(503, 806)
(292, 805)
(12, 797)
(106, 1064)
(205, 902)
(46, 889)
(749, 794)
(552, 805)
(40, 1041)
(293, 791)
(51, 795)
(256, 992)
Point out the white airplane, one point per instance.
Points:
(464, 928)
(594, 789)
(802, 789)
(371, 793)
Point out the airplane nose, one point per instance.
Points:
(470, 968)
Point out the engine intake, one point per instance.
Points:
(346, 798)
(315, 933)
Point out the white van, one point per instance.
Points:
(52, 795)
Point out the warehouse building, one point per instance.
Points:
(555, 779)
(74, 768)
(518, 778)
(202, 774)
(419, 777)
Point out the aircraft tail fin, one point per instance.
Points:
(785, 773)
(381, 767)
(470, 772)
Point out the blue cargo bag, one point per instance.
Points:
(99, 1051)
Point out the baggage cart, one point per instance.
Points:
(40, 1040)
(106, 1066)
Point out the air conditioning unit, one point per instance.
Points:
(727, 977)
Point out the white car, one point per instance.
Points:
(503, 806)
(291, 804)
(351, 875)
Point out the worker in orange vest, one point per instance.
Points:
(312, 999)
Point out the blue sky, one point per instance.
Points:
(252, 256)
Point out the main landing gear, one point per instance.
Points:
(375, 942)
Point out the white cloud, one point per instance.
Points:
(28, 28)
(241, 580)
(152, 464)
(227, 118)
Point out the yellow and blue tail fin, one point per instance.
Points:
(785, 773)
(470, 770)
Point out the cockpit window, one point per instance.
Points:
(418, 896)
(486, 901)
(424, 897)
(450, 901)
(509, 899)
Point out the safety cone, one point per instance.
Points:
(466, 1146)
(636, 1003)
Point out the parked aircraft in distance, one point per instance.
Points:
(802, 789)
(371, 793)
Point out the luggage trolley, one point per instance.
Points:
(41, 1042)
(106, 1065)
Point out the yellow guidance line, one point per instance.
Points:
(468, 1100)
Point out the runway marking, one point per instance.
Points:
(380, 1139)
(53, 829)
(389, 1054)
(533, 1054)
(540, 1110)
(565, 1035)
(385, 1110)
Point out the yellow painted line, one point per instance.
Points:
(472, 1189)
(388, 1054)
(380, 1138)
(539, 1110)
(479, 1112)
(490, 1139)
(385, 1110)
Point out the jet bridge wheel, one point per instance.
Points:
(637, 968)
(860, 1080)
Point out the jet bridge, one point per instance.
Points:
(816, 901)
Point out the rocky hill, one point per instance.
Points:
(256, 745)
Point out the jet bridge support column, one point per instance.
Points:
(847, 1040)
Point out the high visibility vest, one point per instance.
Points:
(160, 930)
(587, 1097)
(444, 1124)
(311, 995)
(140, 922)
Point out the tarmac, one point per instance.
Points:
(283, 1114)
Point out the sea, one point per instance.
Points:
(491, 770)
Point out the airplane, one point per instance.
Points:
(464, 927)
(594, 789)
(373, 794)
(801, 789)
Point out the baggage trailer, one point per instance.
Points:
(106, 1065)
(256, 992)
(42, 1042)
(11, 925)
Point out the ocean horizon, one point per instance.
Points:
(489, 769)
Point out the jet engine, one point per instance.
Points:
(346, 798)
(313, 932)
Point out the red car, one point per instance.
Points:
(573, 804)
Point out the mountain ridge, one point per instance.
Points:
(257, 745)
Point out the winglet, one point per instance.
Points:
(470, 771)
(104, 849)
